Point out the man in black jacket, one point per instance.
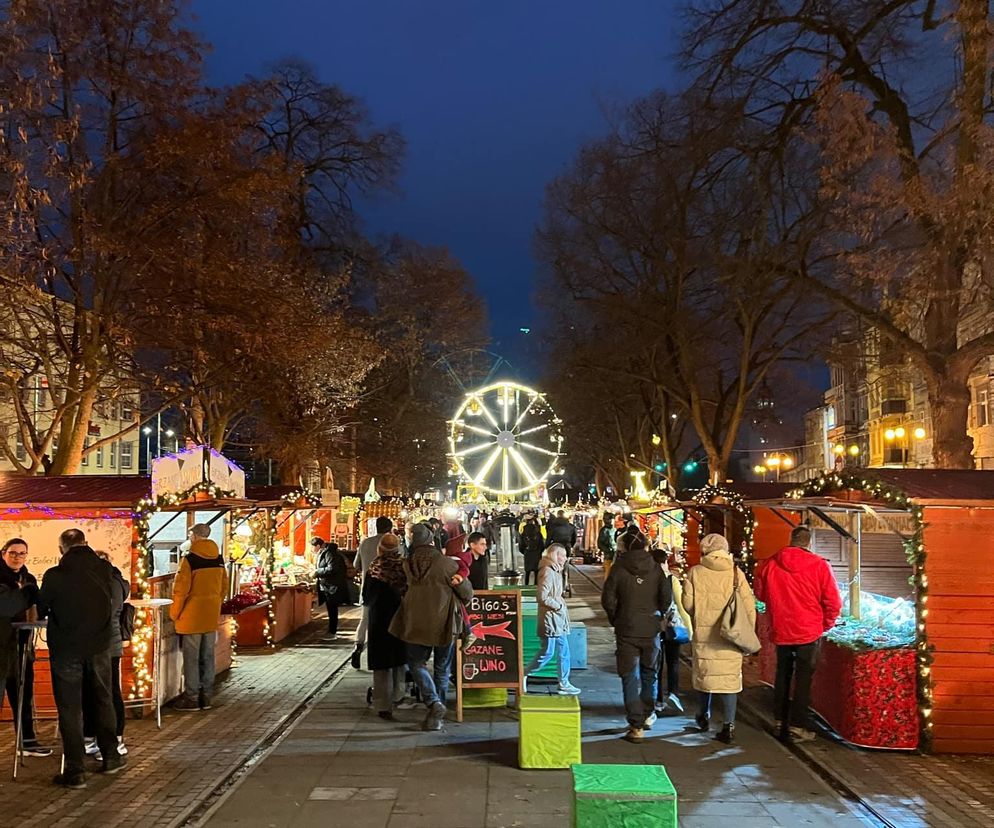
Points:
(560, 530)
(636, 596)
(81, 600)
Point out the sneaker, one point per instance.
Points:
(702, 722)
(385, 714)
(674, 701)
(91, 747)
(524, 685)
(435, 717)
(649, 722)
(75, 781)
(468, 642)
(186, 704)
(205, 703)
(568, 689)
(32, 748)
(112, 766)
(800, 734)
(122, 749)
(355, 660)
(726, 734)
(405, 704)
(635, 735)
(330, 637)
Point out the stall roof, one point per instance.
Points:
(269, 495)
(939, 485)
(84, 491)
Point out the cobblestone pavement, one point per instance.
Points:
(341, 765)
(173, 769)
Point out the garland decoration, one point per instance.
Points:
(707, 495)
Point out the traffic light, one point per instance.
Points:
(690, 466)
(660, 467)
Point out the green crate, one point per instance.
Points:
(549, 735)
(636, 796)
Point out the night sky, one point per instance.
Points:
(493, 100)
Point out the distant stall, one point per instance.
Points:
(910, 665)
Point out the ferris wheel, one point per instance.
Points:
(505, 439)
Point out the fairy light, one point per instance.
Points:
(916, 553)
(708, 494)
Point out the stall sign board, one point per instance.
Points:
(495, 658)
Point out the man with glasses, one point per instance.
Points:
(18, 588)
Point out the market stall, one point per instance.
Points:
(910, 663)
(141, 525)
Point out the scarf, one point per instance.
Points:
(389, 568)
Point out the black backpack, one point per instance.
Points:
(127, 621)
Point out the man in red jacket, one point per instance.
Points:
(802, 602)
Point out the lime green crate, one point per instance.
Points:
(549, 735)
(477, 697)
(530, 644)
(636, 796)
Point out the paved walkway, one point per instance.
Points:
(170, 771)
(341, 765)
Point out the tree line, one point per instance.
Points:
(199, 246)
(827, 166)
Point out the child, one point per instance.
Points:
(464, 558)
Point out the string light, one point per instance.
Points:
(710, 493)
(914, 548)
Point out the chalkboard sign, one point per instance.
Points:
(494, 660)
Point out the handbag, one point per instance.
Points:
(675, 629)
(735, 626)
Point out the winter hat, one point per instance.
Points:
(421, 535)
(713, 543)
(633, 538)
(388, 544)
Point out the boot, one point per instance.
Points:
(356, 656)
(435, 717)
(726, 734)
(702, 722)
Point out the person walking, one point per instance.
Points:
(675, 632)
(635, 598)
(531, 545)
(605, 543)
(560, 530)
(803, 602)
(382, 590)
(199, 590)
(79, 598)
(14, 577)
(430, 618)
(123, 590)
(552, 622)
(364, 557)
(331, 575)
(479, 567)
(717, 664)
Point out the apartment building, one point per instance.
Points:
(876, 412)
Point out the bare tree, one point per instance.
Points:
(899, 96)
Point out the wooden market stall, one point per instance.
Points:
(911, 664)
(124, 517)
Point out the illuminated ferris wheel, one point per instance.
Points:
(505, 439)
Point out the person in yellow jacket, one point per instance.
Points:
(198, 592)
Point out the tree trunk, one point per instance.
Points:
(290, 474)
(70, 453)
(949, 399)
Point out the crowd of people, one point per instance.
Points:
(416, 583)
(654, 611)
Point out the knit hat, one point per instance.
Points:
(388, 544)
(421, 535)
(713, 543)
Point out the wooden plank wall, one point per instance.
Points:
(959, 544)
(885, 568)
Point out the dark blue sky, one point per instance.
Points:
(493, 100)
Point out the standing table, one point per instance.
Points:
(154, 604)
(35, 627)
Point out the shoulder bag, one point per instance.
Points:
(735, 626)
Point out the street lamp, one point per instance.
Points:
(171, 433)
(147, 431)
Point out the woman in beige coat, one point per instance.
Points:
(717, 663)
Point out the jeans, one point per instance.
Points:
(671, 663)
(729, 702)
(388, 688)
(797, 662)
(198, 664)
(27, 711)
(551, 643)
(638, 664)
(71, 677)
(434, 683)
(90, 714)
